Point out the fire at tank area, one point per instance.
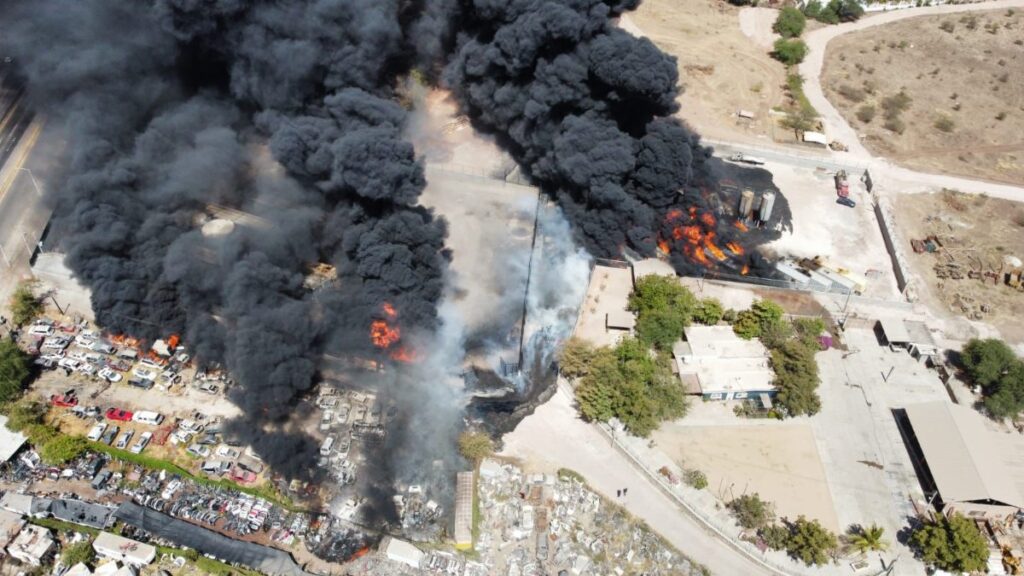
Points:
(379, 257)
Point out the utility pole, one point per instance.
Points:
(6, 259)
(35, 184)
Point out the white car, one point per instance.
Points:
(102, 347)
(227, 452)
(141, 443)
(125, 438)
(69, 363)
(144, 373)
(110, 375)
(180, 437)
(87, 369)
(79, 355)
(97, 432)
(170, 489)
(40, 330)
(190, 426)
(198, 450)
(84, 341)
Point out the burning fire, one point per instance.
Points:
(746, 270)
(740, 226)
(384, 335)
(663, 245)
(694, 233)
(736, 248)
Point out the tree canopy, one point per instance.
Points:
(868, 539)
(796, 378)
(953, 544)
(762, 315)
(790, 22)
(475, 446)
(790, 51)
(811, 542)
(992, 365)
(751, 511)
(63, 449)
(663, 307)
(80, 552)
(630, 383)
(25, 305)
(13, 370)
(709, 311)
(834, 11)
(576, 357)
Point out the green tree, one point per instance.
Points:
(25, 305)
(475, 446)
(708, 311)
(597, 393)
(800, 119)
(1006, 398)
(696, 479)
(790, 22)
(953, 544)
(13, 370)
(664, 307)
(78, 553)
(23, 414)
(40, 434)
(775, 536)
(751, 511)
(808, 330)
(985, 361)
(576, 357)
(796, 379)
(751, 323)
(63, 449)
(810, 542)
(775, 334)
(868, 539)
(789, 51)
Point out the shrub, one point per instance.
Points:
(25, 306)
(751, 512)
(790, 52)
(810, 542)
(1001, 116)
(13, 370)
(952, 544)
(866, 113)
(78, 553)
(896, 104)
(775, 536)
(23, 414)
(944, 123)
(696, 479)
(790, 23)
(895, 125)
(753, 322)
(709, 311)
(851, 93)
(947, 26)
(63, 449)
(475, 446)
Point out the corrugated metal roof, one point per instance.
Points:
(10, 442)
(965, 459)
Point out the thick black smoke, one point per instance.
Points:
(586, 110)
(168, 106)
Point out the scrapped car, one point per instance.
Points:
(110, 434)
(144, 384)
(227, 452)
(45, 363)
(110, 375)
(64, 400)
(846, 202)
(69, 363)
(198, 450)
(141, 443)
(97, 431)
(119, 365)
(119, 415)
(125, 438)
(102, 347)
(144, 373)
(242, 476)
(40, 330)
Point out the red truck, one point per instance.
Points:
(64, 400)
(842, 184)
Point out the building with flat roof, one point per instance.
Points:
(33, 545)
(10, 525)
(123, 549)
(912, 335)
(404, 552)
(719, 365)
(10, 442)
(977, 472)
(81, 512)
(464, 510)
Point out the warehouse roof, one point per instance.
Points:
(966, 461)
(10, 442)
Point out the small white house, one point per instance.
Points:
(123, 549)
(32, 545)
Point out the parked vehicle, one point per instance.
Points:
(227, 452)
(198, 450)
(102, 347)
(842, 184)
(144, 384)
(87, 369)
(141, 443)
(110, 434)
(110, 375)
(846, 202)
(40, 330)
(190, 426)
(119, 415)
(740, 157)
(125, 438)
(69, 363)
(146, 417)
(97, 432)
(101, 479)
(144, 373)
(64, 401)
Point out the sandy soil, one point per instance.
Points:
(846, 237)
(779, 462)
(970, 75)
(976, 231)
(721, 69)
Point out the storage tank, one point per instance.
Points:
(767, 203)
(746, 203)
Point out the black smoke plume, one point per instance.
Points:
(586, 110)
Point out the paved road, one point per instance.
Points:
(884, 172)
(554, 437)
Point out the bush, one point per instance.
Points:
(952, 544)
(834, 12)
(775, 537)
(663, 307)
(709, 311)
(895, 125)
(944, 123)
(866, 113)
(13, 370)
(851, 93)
(753, 322)
(790, 23)
(475, 446)
(696, 479)
(78, 553)
(796, 378)
(63, 449)
(25, 306)
(810, 542)
(947, 26)
(751, 512)
(576, 357)
(896, 104)
(790, 52)
(23, 414)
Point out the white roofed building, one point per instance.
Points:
(33, 545)
(719, 365)
(123, 549)
(404, 552)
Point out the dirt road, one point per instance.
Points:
(884, 172)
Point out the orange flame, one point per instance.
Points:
(673, 214)
(746, 270)
(389, 310)
(360, 553)
(708, 219)
(382, 335)
(663, 245)
(709, 242)
(404, 354)
(736, 248)
(740, 226)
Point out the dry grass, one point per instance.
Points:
(964, 76)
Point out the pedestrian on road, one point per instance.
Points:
(618, 493)
(624, 490)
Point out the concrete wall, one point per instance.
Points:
(893, 243)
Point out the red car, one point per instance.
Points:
(64, 401)
(118, 414)
(242, 476)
